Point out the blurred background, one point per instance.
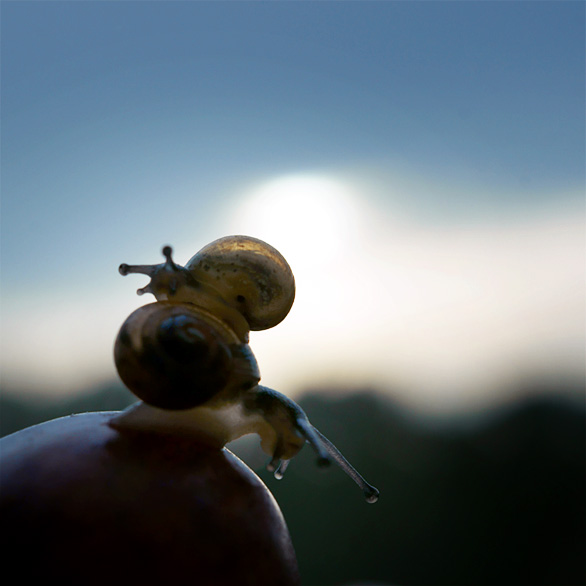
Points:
(421, 167)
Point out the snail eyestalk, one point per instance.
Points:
(164, 281)
(150, 270)
(167, 252)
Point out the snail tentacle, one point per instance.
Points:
(151, 270)
(371, 493)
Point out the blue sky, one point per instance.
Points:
(128, 125)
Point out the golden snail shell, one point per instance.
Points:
(250, 275)
(176, 356)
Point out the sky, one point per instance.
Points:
(421, 166)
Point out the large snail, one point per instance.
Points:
(186, 356)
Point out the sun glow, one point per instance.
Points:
(309, 218)
(319, 224)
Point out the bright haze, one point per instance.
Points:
(419, 164)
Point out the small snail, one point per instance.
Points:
(186, 356)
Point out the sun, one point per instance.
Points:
(308, 218)
(319, 224)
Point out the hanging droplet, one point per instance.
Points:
(280, 471)
(371, 496)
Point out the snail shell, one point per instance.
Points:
(178, 356)
(250, 275)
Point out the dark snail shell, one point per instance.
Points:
(174, 356)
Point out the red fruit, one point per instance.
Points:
(82, 503)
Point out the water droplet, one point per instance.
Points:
(371, 495)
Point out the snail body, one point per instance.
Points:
(186, 356)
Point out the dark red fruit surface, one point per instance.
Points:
(82, 503)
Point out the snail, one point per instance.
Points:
(186, 356)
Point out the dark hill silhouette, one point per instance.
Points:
(495, 500)
(17, 413)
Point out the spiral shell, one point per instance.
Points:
(177, 356)
(250, 276)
